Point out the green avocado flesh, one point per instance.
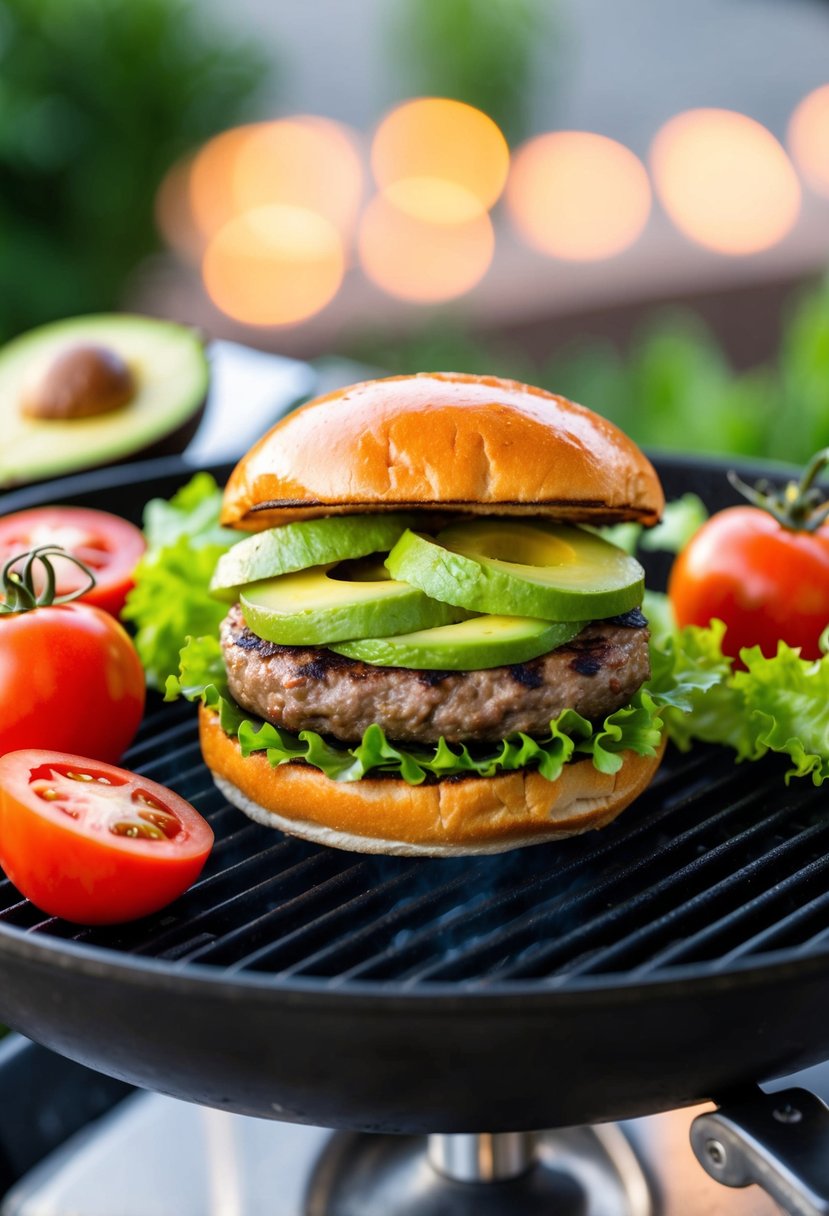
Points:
(483, 641)
(332, 603)
(551, 571)
(170, 370)
(314, 542)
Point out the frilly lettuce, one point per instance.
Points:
(170, 599)
(778, 704)
(636, 727)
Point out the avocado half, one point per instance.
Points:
(170, 374)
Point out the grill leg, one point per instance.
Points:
(573, 1172)
(484, 1157)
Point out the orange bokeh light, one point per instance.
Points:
(725, 181)
(274, 265)
(440, 161)
(578, 196)
(808, 138)
(301, 162)
(420, 261)
(306, 162)
(213, 177)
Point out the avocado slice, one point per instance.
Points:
(552, 571)
(483, 641)
(313, 542)
(150, 379)
(332, 603)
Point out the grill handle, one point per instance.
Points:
(779, 1141)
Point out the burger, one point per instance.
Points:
(430, 649)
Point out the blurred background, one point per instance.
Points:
(626, 203)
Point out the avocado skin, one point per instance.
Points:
(299, 546)
(585, 586)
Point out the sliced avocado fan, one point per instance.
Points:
(555, 572)
(312, 542)
(330, 603)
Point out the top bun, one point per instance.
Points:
(443, 441)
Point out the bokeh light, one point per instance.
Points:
(274, 265)
(306, 162)
(424, 262)
(578, 196)
(439, 160)
(725, 181)
(808, 138)
(301, 162)
(213, 178)
(173, 214)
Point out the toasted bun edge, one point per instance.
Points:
(470, 815)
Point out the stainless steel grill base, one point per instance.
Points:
(574, 1172)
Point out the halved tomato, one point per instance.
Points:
(108, 545)
(92, 843)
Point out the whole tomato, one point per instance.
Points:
(70, 678)
(762, 569)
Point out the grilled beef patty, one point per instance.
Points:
(311, 688)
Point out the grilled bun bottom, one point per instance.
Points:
(455, 816)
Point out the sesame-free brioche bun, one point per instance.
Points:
(455, 816)
(447, 442)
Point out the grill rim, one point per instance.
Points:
(31, 946)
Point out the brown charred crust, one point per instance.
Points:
(588, 664)
(528, 674)
(590, 654)
(318, 667)
(634, 619)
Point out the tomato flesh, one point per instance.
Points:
(108, 545)
(92, 843)
(70, 678)
(766, 582)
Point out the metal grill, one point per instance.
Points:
(715, 863)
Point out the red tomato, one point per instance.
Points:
(108, 545)
(70, 679)
(92, 843)
(766, 582)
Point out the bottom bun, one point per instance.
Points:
(454, 816)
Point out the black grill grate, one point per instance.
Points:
(715, 863)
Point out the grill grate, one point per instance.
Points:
(715, 863)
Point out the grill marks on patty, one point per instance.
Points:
(311, 688)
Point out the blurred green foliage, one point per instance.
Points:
(675, 389)
(479, 51)
(97, 99)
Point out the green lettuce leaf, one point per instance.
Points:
(681, 518)
(636, 727)
(170, 600)
(778, 704)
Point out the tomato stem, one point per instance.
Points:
(19, 590)
(800, 506)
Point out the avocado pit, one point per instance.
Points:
(83, 381)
